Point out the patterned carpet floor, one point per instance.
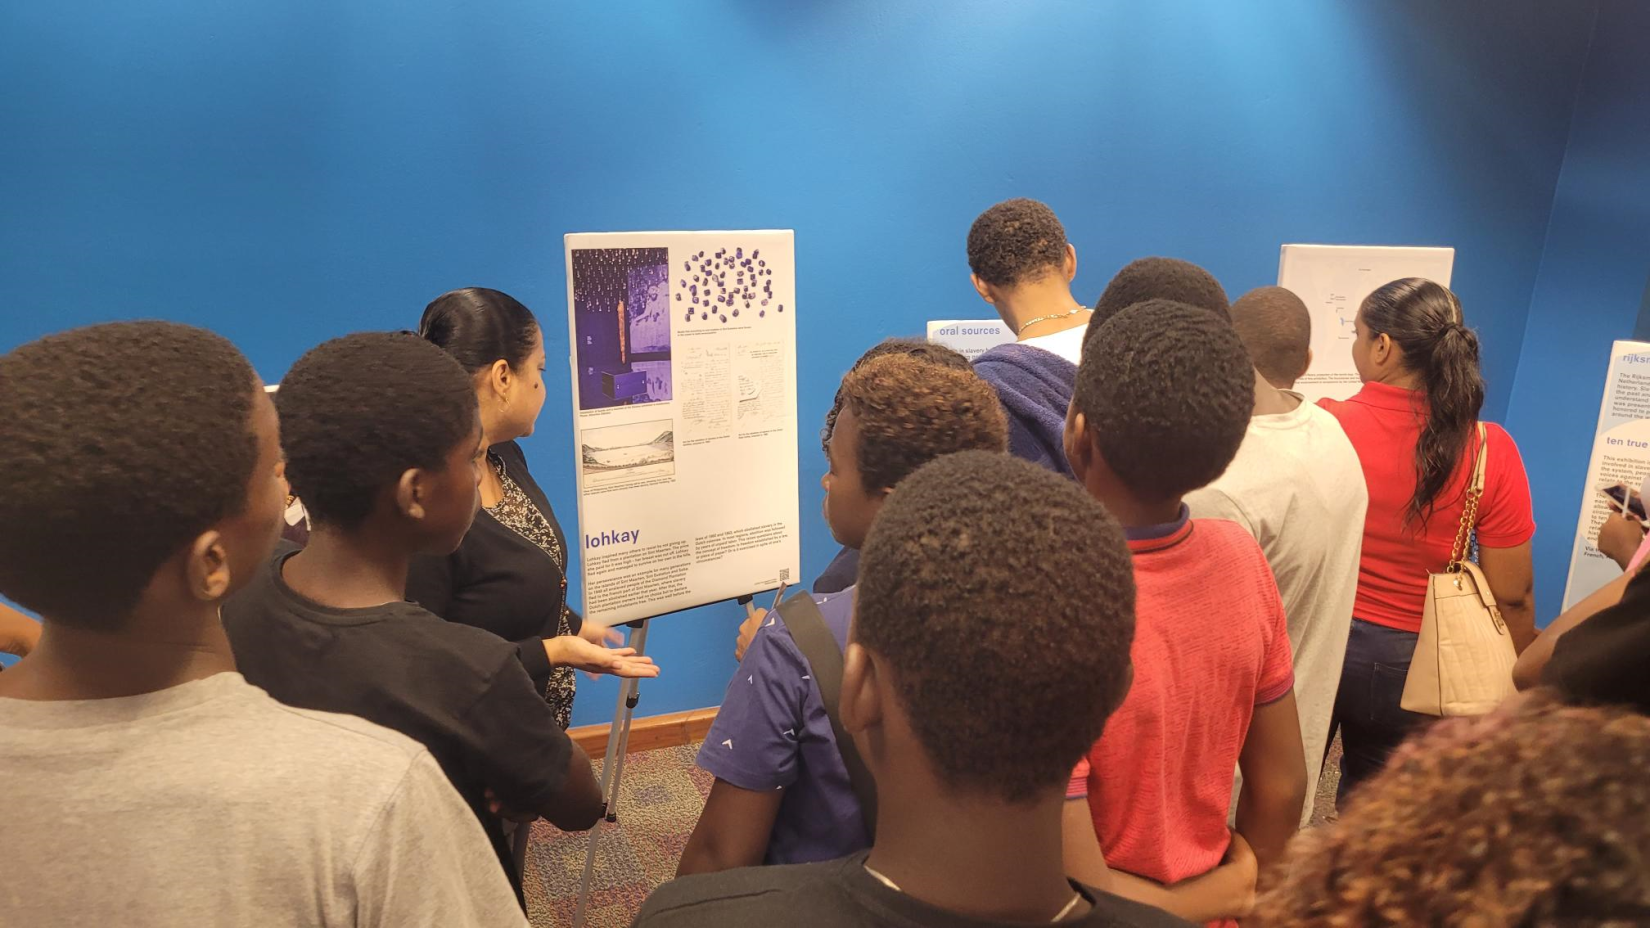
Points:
(660, 796)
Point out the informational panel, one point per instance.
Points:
(684, 408)
(1621, 454)
(1333, 280)
(969, 337)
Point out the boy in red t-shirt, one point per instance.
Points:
(1163, 398)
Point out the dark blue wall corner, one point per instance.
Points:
(1591, 285)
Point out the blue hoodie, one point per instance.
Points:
(1035, 387)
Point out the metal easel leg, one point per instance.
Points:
(618, 740)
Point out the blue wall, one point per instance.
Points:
(285, 172)
(1590, 286)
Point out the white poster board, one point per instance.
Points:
(970, 337)
(684, 411)
(1621, 454)
(1332, 280)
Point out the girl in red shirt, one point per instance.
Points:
(1414, 425)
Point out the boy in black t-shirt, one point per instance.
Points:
(990, 641)
(382, 443)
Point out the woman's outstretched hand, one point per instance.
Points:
(594, 659)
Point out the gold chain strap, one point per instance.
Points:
(1469, 508)
(1469, 517)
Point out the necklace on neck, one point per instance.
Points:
(1075, 897)
(1065, 315)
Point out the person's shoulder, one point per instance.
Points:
(433, 632)
(1017, 360)
(1229, 549)
(1223, 535)
(1499, 439)
(768, 895)
(1342, 411)
(322, 744)
(836, 608)
(333, 733)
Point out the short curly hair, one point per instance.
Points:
(910, 411)
(927, 351)
(1159, 279)
(358, 411)
(1014, 242)
(123, 443)
(1533, 816)
(1168, 390)
(968, 539)
(1277, 329)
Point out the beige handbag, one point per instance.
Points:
(1464, 657)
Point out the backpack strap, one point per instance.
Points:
(819, 647)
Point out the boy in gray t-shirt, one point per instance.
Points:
(146, 783)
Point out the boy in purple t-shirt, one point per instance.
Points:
(782, 793)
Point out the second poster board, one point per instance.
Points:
(684, 413)
(1333, 280)
(1621, 454)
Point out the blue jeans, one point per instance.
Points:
(1366, 707)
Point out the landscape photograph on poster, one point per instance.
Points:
(624, 455)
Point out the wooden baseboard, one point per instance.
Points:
(649, 733)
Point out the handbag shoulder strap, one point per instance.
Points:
(819, 647)
(1469, 508)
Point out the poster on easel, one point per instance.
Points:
(683, 358)
(1621, 454)
(1332, 280)
(970, 337)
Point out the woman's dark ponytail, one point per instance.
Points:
(1425, 320)
(479, 326)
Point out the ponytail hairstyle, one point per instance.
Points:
(478, 326)
(1425, 320)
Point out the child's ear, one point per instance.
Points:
(982, 288)
(861, 706)
(1070, 262)
(409, 493)
(207, 567)
(1076, 441)
(1307, 366)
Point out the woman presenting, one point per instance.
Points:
(1415, 428)
(509, 576)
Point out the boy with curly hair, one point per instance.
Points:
(782, 792)
(968, 723)
(1537, 814)
(1020, 262)
(1162, 402)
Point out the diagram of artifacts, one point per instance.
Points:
(618, 455)
(1332, 280)
(683, 368)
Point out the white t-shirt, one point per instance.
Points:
(1067, 343)
(212, 804)
(1296, 485)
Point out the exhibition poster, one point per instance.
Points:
(970, 337)
(684, 408)
(1333, 280)
(1621, 455)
